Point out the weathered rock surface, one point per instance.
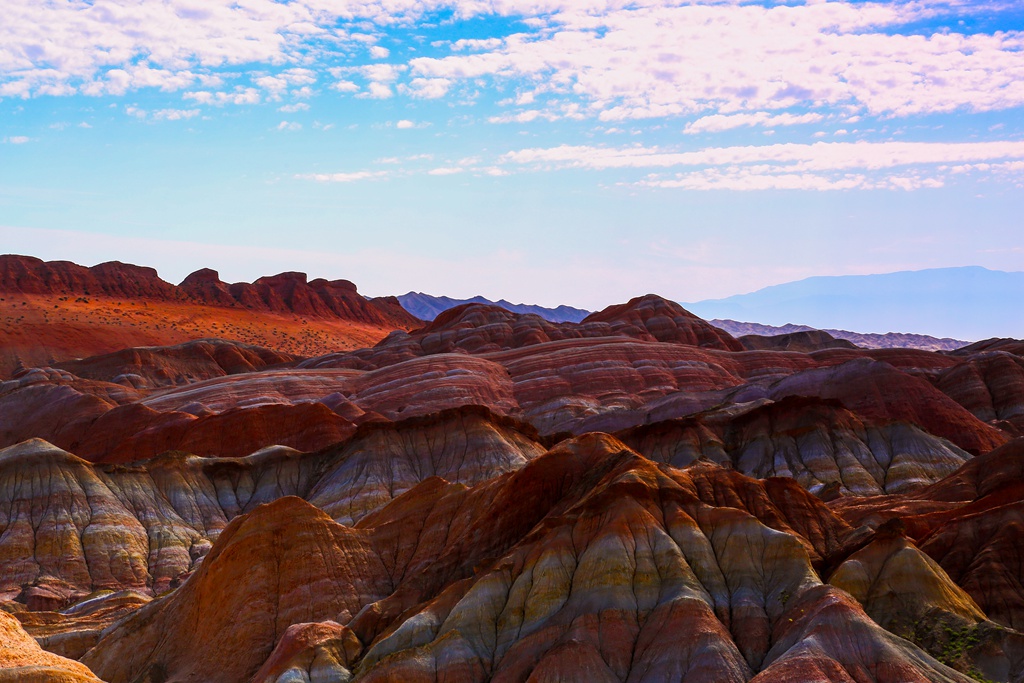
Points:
(587, 559)
(909, 594)
(284, 563)
(71, 632)
(828, 449)
(23, 661)
(971, 523)
(991, 386)
(69, 527)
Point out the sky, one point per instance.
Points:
(573, 152)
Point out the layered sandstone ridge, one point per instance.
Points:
(594, 560)
(70, 528)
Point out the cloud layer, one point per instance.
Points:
(611, 60)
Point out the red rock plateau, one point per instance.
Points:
(494, 497)
(58, 311)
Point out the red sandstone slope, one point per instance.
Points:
(480, 328)
(573, 385)
(283, 293)
(57, 311)
(23, 661)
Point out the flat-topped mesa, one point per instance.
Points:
(29, 275)
(287, 292)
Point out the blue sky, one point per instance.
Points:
(548, 151)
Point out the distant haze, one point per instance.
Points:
(965, 303)
(427, 307)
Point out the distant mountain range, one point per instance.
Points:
(427, 307)
(890, 340)
(963, 303)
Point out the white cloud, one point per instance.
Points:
(292, 108)
(405, 123)
(17, 139)
(345, 86)
(473, 44)
(427, 88)
(378, 91)
(240, 96)
(608, 59)
(446, 170)
(815, 156)
(816, 166)
(342, 177)
(174, 114)
(289, 125)
(653, 60)
(719, 122)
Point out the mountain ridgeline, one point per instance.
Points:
(427, 307)
(962, 303)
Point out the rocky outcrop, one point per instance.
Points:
(284, 563)
(970, 523)
(879, 391)
(28, 275)
(282, 293)
(906, 592)
(991, 386)
(23, 661)
(72, 631)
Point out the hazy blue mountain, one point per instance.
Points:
(427, 307)
(964, 303)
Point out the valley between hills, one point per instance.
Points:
(286, 482)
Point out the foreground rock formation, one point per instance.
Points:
(495, 497)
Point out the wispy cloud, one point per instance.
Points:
(342, 177)
(816, 166)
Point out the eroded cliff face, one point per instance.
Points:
(589, 558)
(498, 498)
